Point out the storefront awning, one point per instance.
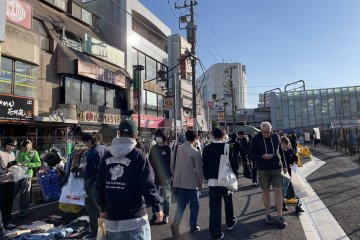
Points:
(148, 121)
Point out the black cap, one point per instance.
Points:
(10, 141)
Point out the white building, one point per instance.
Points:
(223, 79)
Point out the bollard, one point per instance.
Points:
(299, 160)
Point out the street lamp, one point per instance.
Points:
(137, 91)
(217, 101)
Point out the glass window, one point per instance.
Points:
(25, 79)
(134, 57)
(160, 105)
(86, 16)
(150, 68)
(76, 10)
(111, 97)
(86, 90)
(151, 101)
(58, 3)
(142, 62)
(6, 75)
(97, 95)
(72, 90)
(44, 36)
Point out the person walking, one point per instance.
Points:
(7, 189)
(211, 163)
(160, 159)
(264, 150)
(187, 169)
(253, 163)
(289, 157)
(294, 141)
(28, 157)
(125, 180)
(93, 156)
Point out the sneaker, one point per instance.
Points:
(220, 237)
(195, 228)
(281, 222)
(165, 220)
(90, 236)
(285, 208)
(255, 184)
(299, 209)
(153, 220)
(232, 226)
(9, 226)
(269, 220)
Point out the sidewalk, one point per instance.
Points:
(337, 183)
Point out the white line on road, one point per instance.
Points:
(317, 216)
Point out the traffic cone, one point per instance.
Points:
(299, 160)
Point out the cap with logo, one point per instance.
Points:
(128, 126)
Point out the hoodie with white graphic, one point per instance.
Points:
(125, 177)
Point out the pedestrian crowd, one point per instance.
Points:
(121, 179)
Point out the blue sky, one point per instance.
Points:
(279, 41)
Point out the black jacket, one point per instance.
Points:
(125, 177)
(211, 160)
(289, 157)
(257, 149)
(160, 158)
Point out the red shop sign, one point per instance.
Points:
(149, 121)
(19, 12)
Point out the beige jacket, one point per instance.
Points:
(188, 172)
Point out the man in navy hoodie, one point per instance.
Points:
(125, 178)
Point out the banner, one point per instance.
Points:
(17, 109)
(221, 116)
(19, 12)
(147, 121)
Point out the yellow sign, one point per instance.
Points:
(168, 102)
(221, 116)
(95, 117)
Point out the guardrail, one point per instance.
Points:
(344, 140)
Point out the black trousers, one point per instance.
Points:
(216, 194)
(6, 201)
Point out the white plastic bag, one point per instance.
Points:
(65, 198)
(226, 176)
(285, 182)
(76, 187)
(19, 172)
(299, 182)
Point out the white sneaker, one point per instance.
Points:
(231, 227)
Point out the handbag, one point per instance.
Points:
(101, 235)
(285, 183)
(226, 176)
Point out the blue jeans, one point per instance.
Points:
(166, 193)
(184, 196)
(141, 233)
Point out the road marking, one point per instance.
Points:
(317, 221)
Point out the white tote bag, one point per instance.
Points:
(300, 184)
(226, 177)
(65, 198)
(76, 187)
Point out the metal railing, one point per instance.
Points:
(344, 140)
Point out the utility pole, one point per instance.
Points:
(233, 100)
(191, 38)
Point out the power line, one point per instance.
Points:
(210, 41)
(216, 35)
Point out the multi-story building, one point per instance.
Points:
(304, 110)
(73, 67)
(225, 80)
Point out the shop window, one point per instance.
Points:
(44, 36)
(97, 95)
(110, 97)
(85, 92)
(150, 68)
(6, 75)
(72, 91)
(81, 13)
(25, 79)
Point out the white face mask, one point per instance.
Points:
(159, 140)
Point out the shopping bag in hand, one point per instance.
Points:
(285, 182)
(101, 235)
(226, 176)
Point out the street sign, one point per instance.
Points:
(211, 104)
(168, 102)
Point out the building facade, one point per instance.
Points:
(323, 108)
(74, 66)
(225, 80)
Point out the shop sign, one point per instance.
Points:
(185, 66)
(96, 72)
(221, 116)
(16, 109)
(104, 51)
(211, 104)
(96, 117)
(19, 12)
(189, 121)
(168, 102)
(147, 121)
